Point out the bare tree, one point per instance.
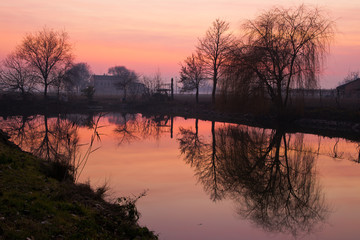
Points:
(16, 76)
(149, 85)
(152, 83)
(350, 77)
(125, 77)
(285, 48)
(157, 79)
(214, 48)
(192, 74)
(48, 53)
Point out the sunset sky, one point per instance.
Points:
(147, 36)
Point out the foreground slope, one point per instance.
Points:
(35, 205)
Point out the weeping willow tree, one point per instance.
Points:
(285, 48)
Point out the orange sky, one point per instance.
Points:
(149, 35)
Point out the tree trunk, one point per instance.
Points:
(214, 90)
(46, 139)
(197, 95)
(23, 95)
(197, 129)
(213, 160)
(58, 92)
(45, 90)
(279, 100)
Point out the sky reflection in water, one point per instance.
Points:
(210, 180)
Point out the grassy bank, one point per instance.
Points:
(34, 205)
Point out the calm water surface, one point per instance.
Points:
(209, 180)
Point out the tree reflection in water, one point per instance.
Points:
(126, 129)
(54, 139)
(135, 127)
(204, 158)
(270, 176)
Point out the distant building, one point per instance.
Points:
(105, 86)
(312, 92)
(349, 89)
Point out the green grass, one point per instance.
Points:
(33, 205)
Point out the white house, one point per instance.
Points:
(105, 86)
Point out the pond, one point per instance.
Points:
(205, 179)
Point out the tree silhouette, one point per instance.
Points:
(125, 78)
(213, 49)
(77, 77)
(192, 74)
(16, 75)
(203, 157)
(191, 144)
(270, 177)
(132, 127)
(127, 130)
(273, 186)
(285, 48)
(48, 53)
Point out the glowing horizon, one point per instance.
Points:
(147, 36)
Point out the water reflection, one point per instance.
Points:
(270, 176)
(357, 160)
(134, 127)
(203, 157)
(126, 129)
(54, 139)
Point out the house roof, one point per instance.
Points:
(114, 78)
(345, 84)
(105, 77)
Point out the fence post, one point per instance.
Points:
(172, 89)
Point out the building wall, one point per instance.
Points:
(105, 86)
(350, 90)
(353, 89)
